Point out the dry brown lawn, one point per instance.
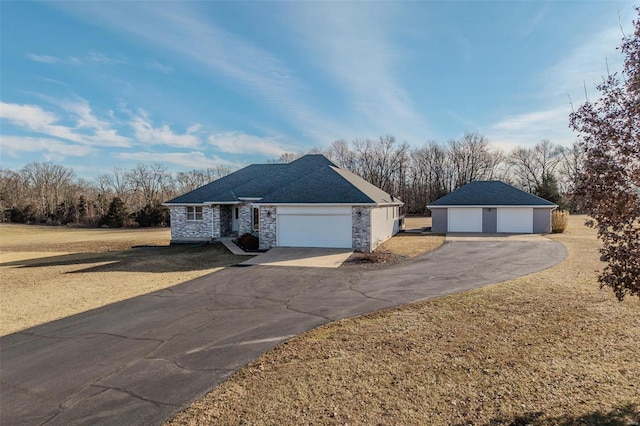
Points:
(416, 222)
(47, 273)
(411, 245)
(400, 247)
(549, 348)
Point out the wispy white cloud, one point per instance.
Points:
(101, 58)
(253, 71)
(56, 150)
(147, 133)
(586, 63)
(85, 116)
(352, 42)
(159, 66)
(90, 57)
(242, 143)
(194, 159)
(530, 128)
(37, 120)
(529, 26)
(548, 116)
(47, 59)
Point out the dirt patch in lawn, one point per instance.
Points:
(47, 273)
(549, 348)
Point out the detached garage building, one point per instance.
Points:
(491, 207)
(309, 202)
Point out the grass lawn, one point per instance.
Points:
(47, 273)
(549, 348)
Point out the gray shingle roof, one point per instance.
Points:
(310, 179)
(490, 193)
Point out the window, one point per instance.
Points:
(256, 219)
(194, 213)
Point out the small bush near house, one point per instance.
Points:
(559, 220)
(248, 241)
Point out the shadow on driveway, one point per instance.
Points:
(159, 259)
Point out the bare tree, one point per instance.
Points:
(48, 184)
(569, 173)
(12, 190)
(380, 161)
(188, 181)
(118, 183)
(341, 154)
(472, 158)
(431, 175)
(286, 157)
(151, 184)
(529, 166)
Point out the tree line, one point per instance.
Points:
(53, 194)
(419, 175)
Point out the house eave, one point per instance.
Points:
(492, 206)
(185, 204)
(205, 203)
(314, 204)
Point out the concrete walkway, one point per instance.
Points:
(233, 247)
(141, 360)
(301, 257)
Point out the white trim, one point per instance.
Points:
(249, 198)
(328, 204)
(205, 204)
(216, 203)
(186, 205)
(491, 206)
(195, 213)
(315, 210)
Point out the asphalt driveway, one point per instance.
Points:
(141, 360)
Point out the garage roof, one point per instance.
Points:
(490, 193)
(311, 179)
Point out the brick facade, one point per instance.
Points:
(245, 221)
(216, 222)
(268, 227)
(361, 228)
(183, 230)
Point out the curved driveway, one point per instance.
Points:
(141, 360)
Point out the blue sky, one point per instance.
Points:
(96, 85)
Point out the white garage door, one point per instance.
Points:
(314, 227)
(515, 220)
(464, 219)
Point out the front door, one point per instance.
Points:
(235, 215)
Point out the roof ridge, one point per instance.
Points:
(358, 177)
